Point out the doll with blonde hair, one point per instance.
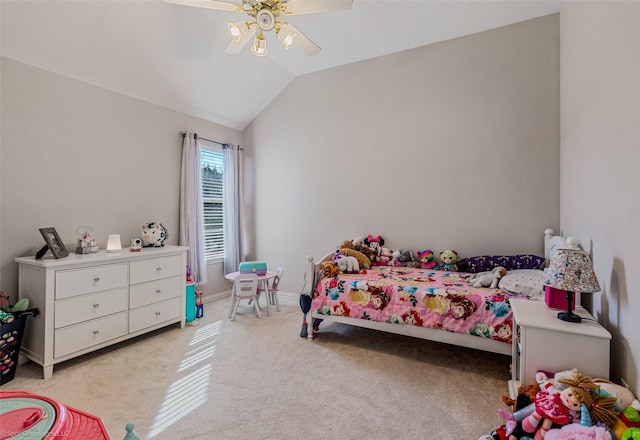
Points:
(566, 407)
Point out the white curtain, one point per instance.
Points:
(191, 209)
(233, 213)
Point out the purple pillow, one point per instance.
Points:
(510, 262)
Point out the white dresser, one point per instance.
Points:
(87, 302)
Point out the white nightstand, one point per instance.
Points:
(543, 342)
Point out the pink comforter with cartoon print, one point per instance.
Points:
(410, 296)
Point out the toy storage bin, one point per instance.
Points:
(10, 341)
(191, 302)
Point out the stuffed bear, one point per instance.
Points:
(154, 234)
(348, 248)
(487, 279)
(426, 259)
(448, 260)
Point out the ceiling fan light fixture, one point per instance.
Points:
(237, 30)
(259, 47)
(266, 19)
(286, 37)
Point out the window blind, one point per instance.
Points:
(212, 185)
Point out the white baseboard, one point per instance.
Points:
(226, 294)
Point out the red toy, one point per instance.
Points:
(35, 416)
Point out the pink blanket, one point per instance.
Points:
(426, 298)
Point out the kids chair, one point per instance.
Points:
(272, 289)
(245, 286)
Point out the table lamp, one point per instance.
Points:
(113, 243)
(571, 270)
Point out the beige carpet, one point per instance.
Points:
(257, 379)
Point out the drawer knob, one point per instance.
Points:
(158, 291)
(157, 313)
(96, 279)
(96, 332)
(95, 306)
(158, 268)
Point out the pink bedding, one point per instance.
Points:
(409, 296)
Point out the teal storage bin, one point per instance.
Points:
(191, 302)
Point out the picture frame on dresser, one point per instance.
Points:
(53, 243)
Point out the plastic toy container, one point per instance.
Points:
(26, 415)
(257, 267)
(191, 303)
(11, 334)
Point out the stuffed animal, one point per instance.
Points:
(631, 434)
(575, 431)
(599, 404)
(395, 262)
(426, 259)
(552, 383)
(348, 248)
(625, 395)
(358, 245)
(627, 418)
(374, 244)
(567, 406)
(521, 407)
(386, 255)
(408, 258)
(329, 268)
(488, 279)
(154, 234)
(346, 264)
(448, 260)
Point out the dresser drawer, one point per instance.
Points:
(154, 291)
(85, 307)
(156, 268)
(74, 282)
(87, 334)
(153, 314)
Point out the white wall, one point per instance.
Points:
(600, 178)
(75, 154)
(454, 145)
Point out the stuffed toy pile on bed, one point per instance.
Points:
(570, 406)
(370, 251)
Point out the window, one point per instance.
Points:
(212, 185)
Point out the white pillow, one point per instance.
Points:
(529, 282)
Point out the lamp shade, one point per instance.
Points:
(571, 270)
(259, 47)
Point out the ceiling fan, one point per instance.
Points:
(266, 15)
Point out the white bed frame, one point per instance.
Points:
(551, 244)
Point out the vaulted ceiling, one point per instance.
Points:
(173, 55)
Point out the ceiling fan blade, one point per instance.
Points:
(209, 4)
(235, 47)
(298, 7)
(301, 41)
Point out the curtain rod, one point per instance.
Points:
(183, 133)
